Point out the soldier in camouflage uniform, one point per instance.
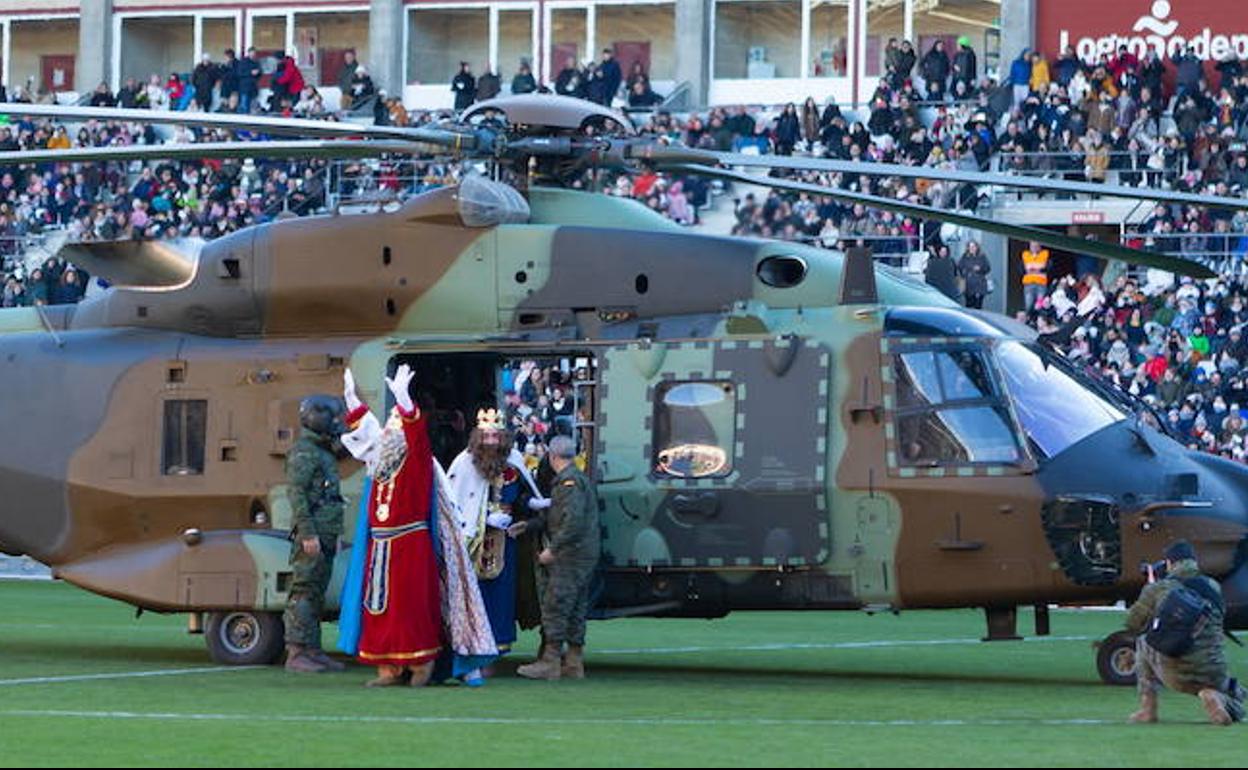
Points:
(316, 504)
(570, 558)
(1202, 671)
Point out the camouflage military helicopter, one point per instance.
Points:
(770, 425)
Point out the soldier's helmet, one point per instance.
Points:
(322, 414)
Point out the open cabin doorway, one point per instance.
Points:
(541, 395)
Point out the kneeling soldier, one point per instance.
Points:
(1181, 646)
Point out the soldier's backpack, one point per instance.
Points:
(1182, 615)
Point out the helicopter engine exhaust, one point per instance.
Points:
(146, 264)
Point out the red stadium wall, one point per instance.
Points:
(1214, 27)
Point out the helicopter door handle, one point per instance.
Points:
(859, 413)
(703, 504)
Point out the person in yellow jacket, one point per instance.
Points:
(1040, 77)
(1035, 275)
(60, 140)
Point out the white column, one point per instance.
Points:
(199, 39)
(290, 33)
(535, 56)
(1018, 30)
(804, 70)
(96, 45)
(493, 57)
(6, 28)
(591, 31)
(544, 74)
(117, 44)
(851, 59)
(387, 45)
(908, 34)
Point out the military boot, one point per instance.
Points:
(320, 656)
(300, 662)
(1235, 696)
(547, 667)
(573, 663)
(1215, 706)
(1148, 709)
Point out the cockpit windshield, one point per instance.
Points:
(1057, 409)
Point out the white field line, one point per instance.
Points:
(124, 675)
(825, 645)
(883, 643)
(544, 722)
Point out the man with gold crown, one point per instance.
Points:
(490, 480)
(410, 576)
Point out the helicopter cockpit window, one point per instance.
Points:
(1055, 408)
(957, 436)
(695, 429)
(950, 412)
(930, 377)
(186, 424)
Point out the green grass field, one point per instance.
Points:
(752, 689)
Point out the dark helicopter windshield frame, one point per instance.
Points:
(1058, 404)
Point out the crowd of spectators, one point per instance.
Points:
(1180, 348)
(120, 200)
(601, 82)
(544, 399)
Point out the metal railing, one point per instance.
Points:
(896, 250)
(1071, 164)
(1223, 252)
(381, 181)
(21, 250)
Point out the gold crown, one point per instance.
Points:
(490, 419)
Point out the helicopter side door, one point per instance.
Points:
(712, 454)
(957, 462)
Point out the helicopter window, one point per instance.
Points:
(1054, 406)
(694, 434)
(978, 434)
(186, 424)
(927, 378)
(950, 410)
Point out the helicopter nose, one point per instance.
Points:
(1221, 540)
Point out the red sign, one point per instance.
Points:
(1213, 29)
(1087, 217)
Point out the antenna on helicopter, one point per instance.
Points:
(858, 278)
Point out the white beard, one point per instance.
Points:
(382, 450)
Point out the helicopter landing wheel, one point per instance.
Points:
(1115, 659)
(245, 638)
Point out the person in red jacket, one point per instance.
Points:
(176, 90)
(287, 83)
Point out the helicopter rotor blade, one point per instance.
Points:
(311, 148)
(258, 123)
(1107, 251)
(663, 155)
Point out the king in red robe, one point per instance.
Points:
(402, 612)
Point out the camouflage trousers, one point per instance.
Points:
(1154, 670)
(305, 599)
(564, 589)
